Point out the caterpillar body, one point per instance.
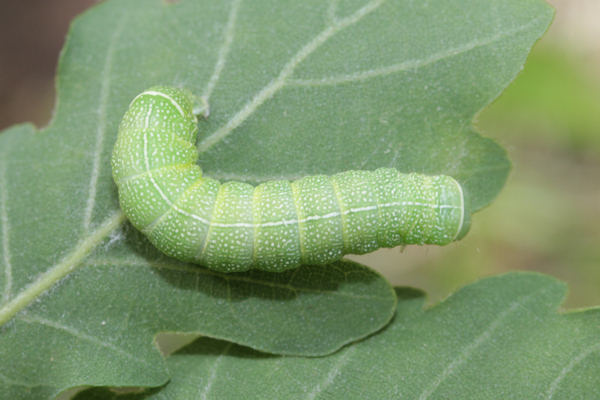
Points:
(276, 225)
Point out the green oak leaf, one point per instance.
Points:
(500, 338)
(294, 88)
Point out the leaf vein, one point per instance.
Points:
(569, 367)
(78, 334)
(468, 350)
(13, 382)
(335, 370)
(213, 372)
(223, 51)
(58, 271)
(279, 82)
(409, 64)
(101, 128)
(331, 12)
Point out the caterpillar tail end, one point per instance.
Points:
(466, 216)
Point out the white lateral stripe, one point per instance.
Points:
(166, 96)
(303, 220)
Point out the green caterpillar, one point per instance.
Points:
(276, 225)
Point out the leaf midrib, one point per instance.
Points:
(61, 269)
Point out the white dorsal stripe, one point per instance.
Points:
(160, 94)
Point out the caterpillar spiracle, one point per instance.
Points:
(277, 225)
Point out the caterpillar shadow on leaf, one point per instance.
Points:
(277, 225)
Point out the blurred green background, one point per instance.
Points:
(547, 217)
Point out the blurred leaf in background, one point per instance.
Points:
(555, 103)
